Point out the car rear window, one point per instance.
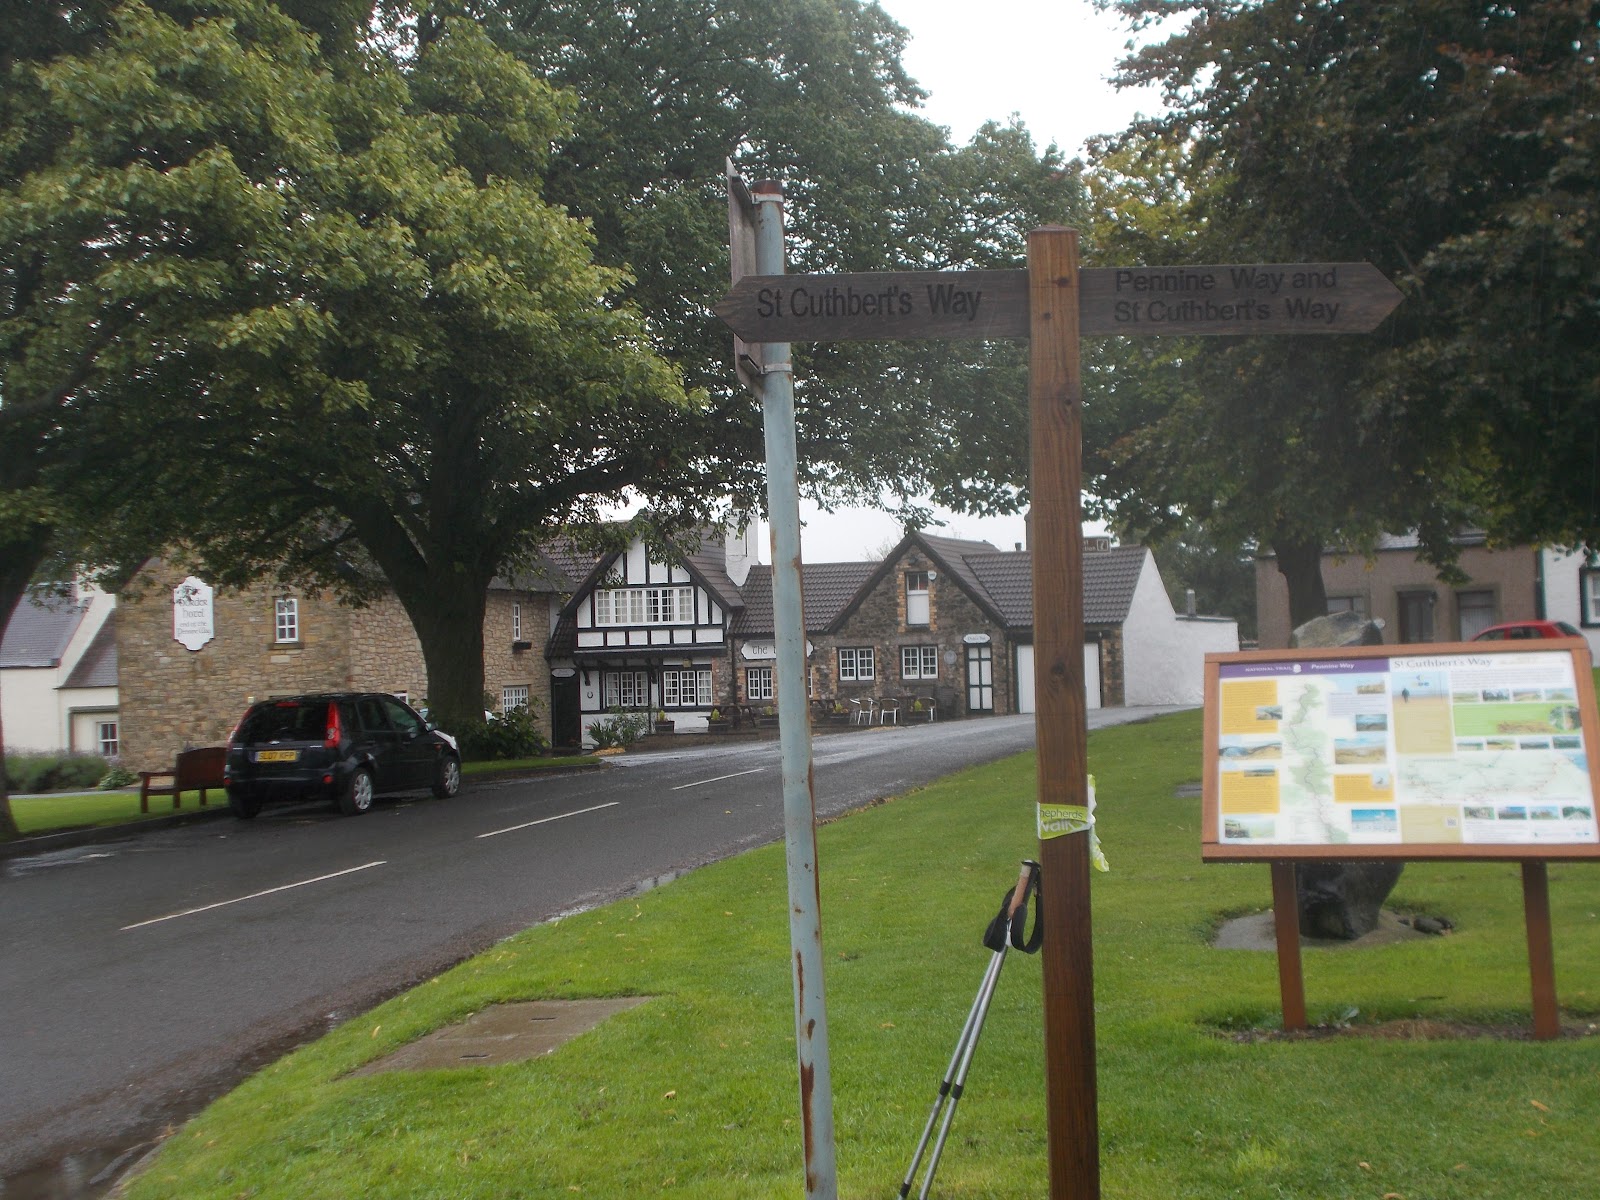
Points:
(285, 721)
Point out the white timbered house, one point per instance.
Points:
(648, 629)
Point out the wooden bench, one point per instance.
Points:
(195, 770)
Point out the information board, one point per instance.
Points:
(1463, 750)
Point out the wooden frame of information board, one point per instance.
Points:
(1456, 710)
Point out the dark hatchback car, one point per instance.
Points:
(345, 747)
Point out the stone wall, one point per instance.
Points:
(385, 654)
(879, 621)
(173, 698)
(506, 665)
(1113, 687)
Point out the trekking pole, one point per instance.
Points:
(1009, 921)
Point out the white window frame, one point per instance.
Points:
(862, 664)
(627, 689)
(1589, 596)
(919, 612)
(513, 696)
(286, 620)
(106, 737)
(645, 606)
(919, 662)
(758, 684)
(516, 622)
(689, 687)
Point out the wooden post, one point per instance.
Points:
(1056, 474)
(1541, 950)
(1286, 925)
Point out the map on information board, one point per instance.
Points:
(1374, 748)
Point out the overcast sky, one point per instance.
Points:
(1047, 60)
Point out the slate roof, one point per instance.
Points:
(1003, 582)
(98, 666)
(1109, 577)
(825, 588)
(1007, 579)
(38, 632)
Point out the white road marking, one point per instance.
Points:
(189, 912)
(718, 779)
(547, 820)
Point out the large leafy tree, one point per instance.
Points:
(298, 300)
(812, 93)
(1451, 144)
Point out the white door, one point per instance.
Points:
(1091, 676)
(1024, 679)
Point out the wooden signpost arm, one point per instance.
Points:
(1056, 473)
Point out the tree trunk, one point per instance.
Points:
(1300, 564)
(448, 618)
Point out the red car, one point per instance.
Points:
(1526, 629)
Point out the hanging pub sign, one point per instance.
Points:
(193, 613)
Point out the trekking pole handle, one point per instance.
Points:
(1027, 879)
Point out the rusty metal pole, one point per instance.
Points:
(1056, 477)
(794, 725)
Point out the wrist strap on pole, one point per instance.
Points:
(1010, 923)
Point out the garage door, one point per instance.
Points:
(1091, 676)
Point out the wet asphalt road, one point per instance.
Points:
(140, 977)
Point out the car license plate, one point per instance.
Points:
(277, 755)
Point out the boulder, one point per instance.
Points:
(1337, 629)
(1341, 899)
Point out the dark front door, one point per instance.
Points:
(565, 717)
(980, 678)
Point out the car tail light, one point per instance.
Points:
(331, 738)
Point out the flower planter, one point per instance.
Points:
(666, 726)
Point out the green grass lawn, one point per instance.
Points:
(694, 1093)
(46, 814)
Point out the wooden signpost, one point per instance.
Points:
(1054, 303)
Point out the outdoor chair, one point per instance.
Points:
(861, 710)
(889, 710)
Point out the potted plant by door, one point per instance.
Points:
(665, 724)
(838, 714)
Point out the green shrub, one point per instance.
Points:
(621, 728)
(27, 773)
(513, 734)
(117, 777)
